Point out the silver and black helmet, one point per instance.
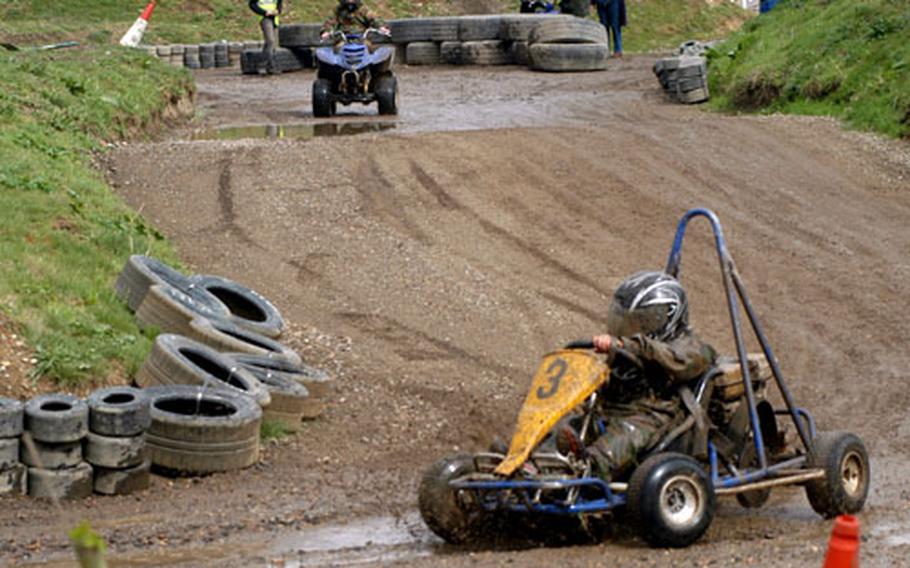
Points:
(651, 303)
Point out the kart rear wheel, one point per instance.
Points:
(671, 500)
(755, 498)
(845, 485)
(387, 94)
(452, 515)
(323, 105)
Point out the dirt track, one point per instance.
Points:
(429, 265)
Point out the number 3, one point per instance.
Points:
(558, 368)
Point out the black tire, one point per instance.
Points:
(452, 515)
(318, 381)
(757, 497)
(69, 483)
(118, 411)
(436, 29)
(478, 28)
(11, 417)
(122, 481)
(51, 455)
(248, 309)
(178, 360)
(13, 480)
(518, 53)
(114, 453)
(226, 337)
(671, 500)
(171, 310)
(299, 35)
(9, 453)
(423, 53)
(489, 52)
(562, 57)
(322, 98)
(845, 486)
(573, 30)
(56, 418)
(693, 97)
(387, 94)
(197, 431)
(290, 401)
(141, 273)
(518, 27)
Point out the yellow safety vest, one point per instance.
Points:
(268, 5)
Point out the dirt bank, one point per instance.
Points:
(429, 265)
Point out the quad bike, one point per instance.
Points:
(537, 7)
(351, 72)
(732, 441)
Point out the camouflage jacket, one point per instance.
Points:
(349, 22)
(665, 366)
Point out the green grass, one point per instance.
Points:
(273, 430)
(65, 235)
(661, 24)
(839, 58)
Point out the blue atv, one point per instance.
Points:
(351, 72)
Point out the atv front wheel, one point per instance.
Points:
(845, 485)
(387, 94)
(452, 515)
(671, 500)
(323, 105)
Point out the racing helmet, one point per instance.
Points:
(651, 303)
(349, 6)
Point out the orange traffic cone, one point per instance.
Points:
(843, 548)
(132, 37)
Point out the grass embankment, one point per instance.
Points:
(840, 58)
(65, 235)
(653, 24)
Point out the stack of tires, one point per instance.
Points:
(115, 445)
(253, 61)
(12, 472)
(570, 44)
(219, 336)
(684, 78)
(56, 424)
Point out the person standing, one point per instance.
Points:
(269, 12)
(612, 14)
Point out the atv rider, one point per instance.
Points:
(351, 16)
(648, 321)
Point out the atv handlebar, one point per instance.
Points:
(589, 344)
(338, 36)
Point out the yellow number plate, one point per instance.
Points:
(563, 381)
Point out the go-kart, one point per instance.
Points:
(351, 72)
(732, 441)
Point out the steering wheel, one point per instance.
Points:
(589, 344)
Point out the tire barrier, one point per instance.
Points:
(317, 381)
(247, 308)
(171, 310)
(495, 39)
(226, 337)
(115, 446)
(561, 57)
(684, 78)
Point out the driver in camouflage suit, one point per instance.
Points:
(649, 321)
(350, 16)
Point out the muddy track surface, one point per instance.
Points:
(430, 260)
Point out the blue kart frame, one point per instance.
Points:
(593, 495)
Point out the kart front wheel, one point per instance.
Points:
(452, 515)
(845, 485)
(387, 94)
(323, 105)
(671, 500)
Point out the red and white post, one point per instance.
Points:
(134, 35)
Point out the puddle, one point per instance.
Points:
(375, 539)
(291, 131)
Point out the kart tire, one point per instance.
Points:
(518, 27)
(11, 417)
(561, 57)
(51, 456)
(755, 498)
(224, 336)
(141, 273)
(845, 485)
(69, 483)
(322, 99)
(247, 308)
(490, 52)
(178, 360)
(118, 411)
(671, 500)
(478, 28)
(9, 453)
(287, 395)
(122, 481)
(56, 418)
(197, 431)
(450, 53)
(114, 453)
(451, 515)
(423, 53)
(317, 381)
(299, 35)
(387, 95)
(171, 310)
(573, 30)
(409, 30)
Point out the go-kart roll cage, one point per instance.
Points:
(524, 494)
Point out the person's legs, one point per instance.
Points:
(602, 15)
(268, 47)
(624, 438)
(614, 27)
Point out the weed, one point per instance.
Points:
(273, 430)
